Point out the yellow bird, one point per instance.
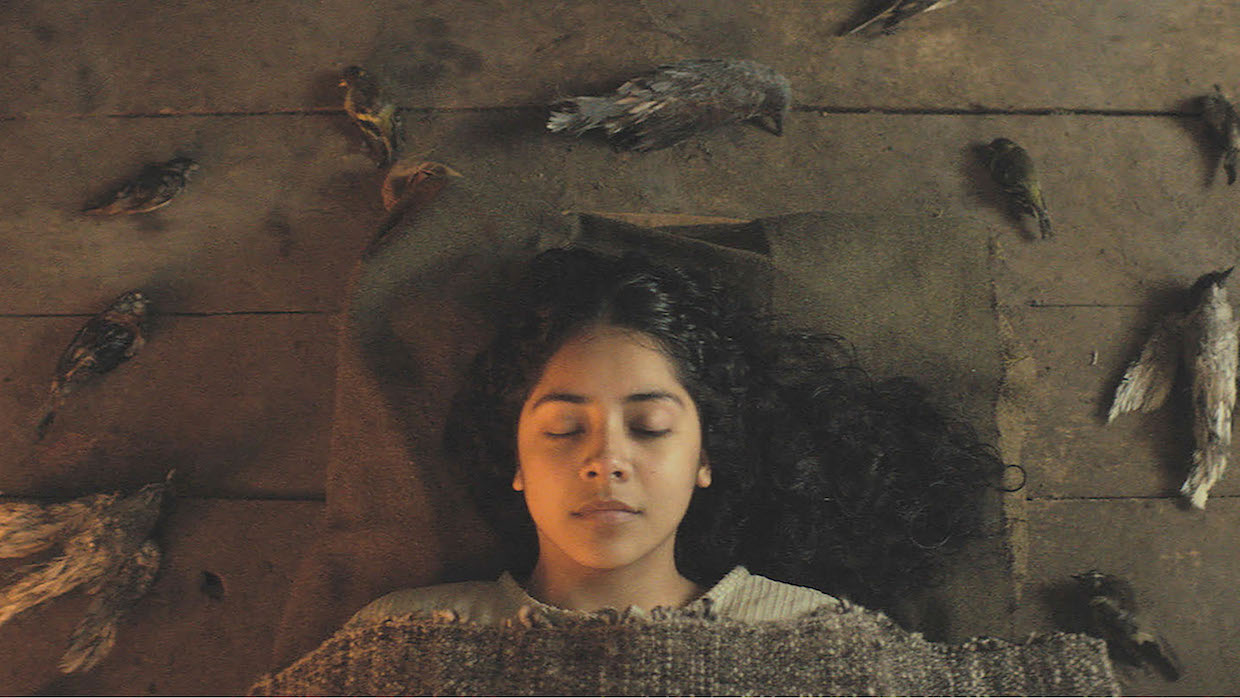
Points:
(1013, 170)
(374, 113)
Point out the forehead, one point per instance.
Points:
(609, 360)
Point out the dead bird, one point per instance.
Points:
(154, 187)
(1013, 170)
(678, 100)
(406, 177)
(895, 11)
(374, 113)
(106, 341)
(1203, 337)
(1113, 618)
(1221, 115)
(408, 187)
(105, 552)
(1210, 347)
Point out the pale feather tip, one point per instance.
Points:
(560, 121)
(1196, 496)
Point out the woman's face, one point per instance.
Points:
(609, 446)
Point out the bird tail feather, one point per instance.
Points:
(1044, 221)
(92, 639)
(1229, 164)
(110, 208)
(46, 581)
(580, 114)
(48, 415)
(30, 527)
(1208, 467)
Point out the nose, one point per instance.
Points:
(608, 467)
(606, 460)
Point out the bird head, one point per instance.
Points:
(1001, 145)
(1207, 283)
(1092, 582)
(352, 75)
(132, 303)
(183, 165)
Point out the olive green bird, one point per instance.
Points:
(374, 113)
(153, 188)
(1013, 170)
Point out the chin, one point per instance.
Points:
(604, 561)
(606, 555)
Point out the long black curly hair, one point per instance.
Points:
(821, 476)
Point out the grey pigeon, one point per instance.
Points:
(1203, 338)
(678, 100)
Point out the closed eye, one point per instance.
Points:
(562, 434)
(649, 433)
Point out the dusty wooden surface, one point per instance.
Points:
(252, 261)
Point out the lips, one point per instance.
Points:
(606, 507)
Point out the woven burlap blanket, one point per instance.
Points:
(838, 651)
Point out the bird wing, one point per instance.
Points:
(363, 98)
(676, 101)
(1012, 168)
(1148, 380)
(1118, 626)
(96, 633)
(1158, 653)
(1219, 112)
(1214, 357)
(1130, 639)
(100, 346)
(155, 188)
(29, 527)
(48, 580)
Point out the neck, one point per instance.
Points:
(561, 582)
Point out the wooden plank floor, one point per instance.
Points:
(252, 262)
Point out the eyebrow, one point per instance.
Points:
(576, 399)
